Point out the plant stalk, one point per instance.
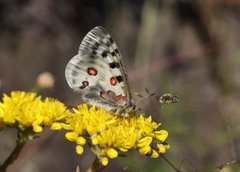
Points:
(14, 154)
(96, 166)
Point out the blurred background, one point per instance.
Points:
(186, 47)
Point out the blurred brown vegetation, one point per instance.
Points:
(190, 48)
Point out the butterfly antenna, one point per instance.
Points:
(137, 94)
(142, 98)
(147, 91)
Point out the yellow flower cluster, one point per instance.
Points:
(106, 133)
(109, 134)
(24, 110)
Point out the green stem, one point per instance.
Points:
(96, 166)
(175, 168)
(13, 156)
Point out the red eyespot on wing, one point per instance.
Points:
(113, 81)
(103, 94)
(84, 84)
(108, 95)
(92, 71)
(121, 98)
(111, 94)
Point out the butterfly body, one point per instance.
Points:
(97, 72)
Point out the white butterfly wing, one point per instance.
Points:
(97, 72)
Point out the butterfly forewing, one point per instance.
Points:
(97, 72)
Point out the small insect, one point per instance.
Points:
(98, 73)
(169, 98)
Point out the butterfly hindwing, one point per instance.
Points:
(97, 71)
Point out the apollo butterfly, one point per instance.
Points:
(98, 73)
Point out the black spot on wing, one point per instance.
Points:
(96, 44)
(111, 40)
(119, 78)
(117, 50)
(104, 54)
(114, 65)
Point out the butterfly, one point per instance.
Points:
(98, 73)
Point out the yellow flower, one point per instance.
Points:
(162, 148)
(24, 110)
(108, 134)
(53, 111)
(112, 153)
(104, 161)
(79, 149)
